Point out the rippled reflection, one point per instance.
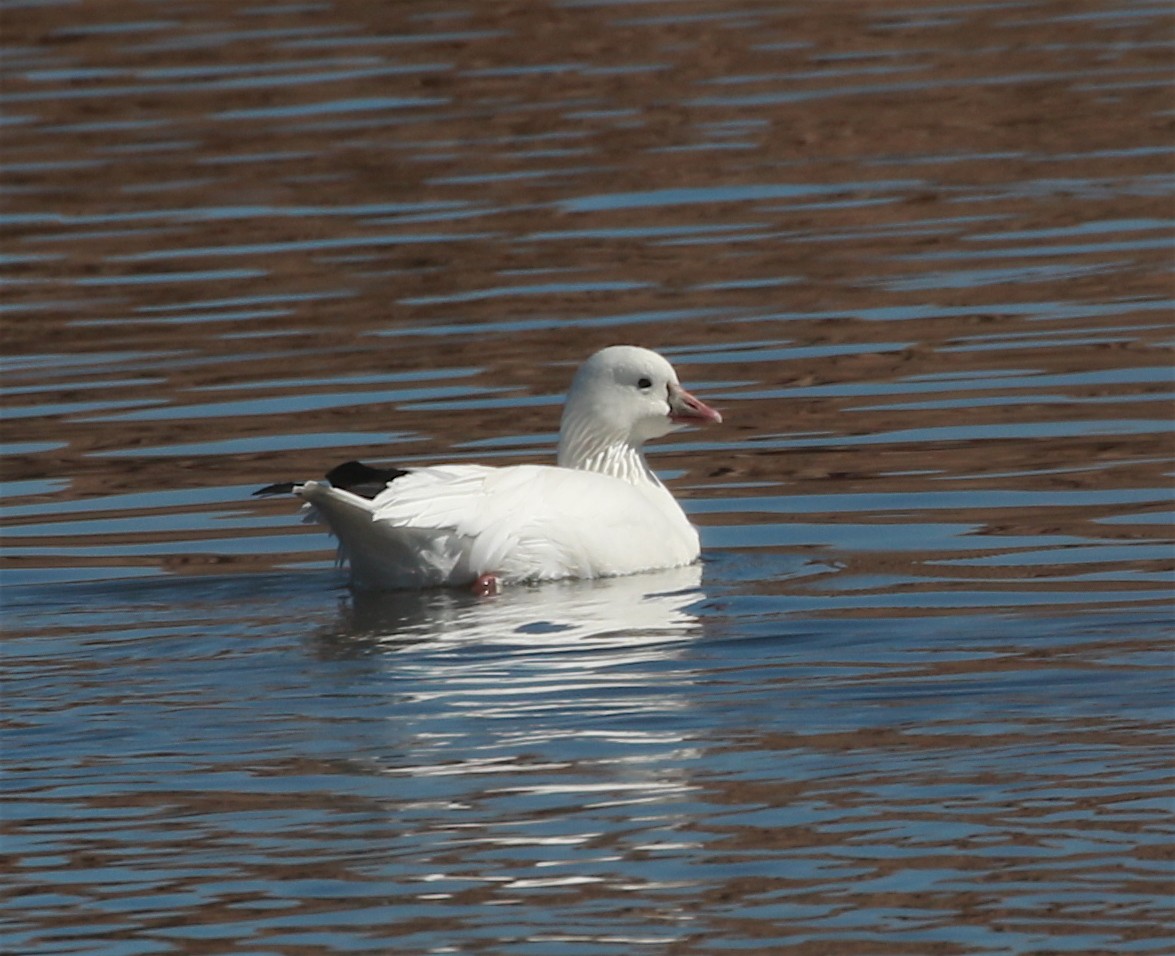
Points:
(612, 611)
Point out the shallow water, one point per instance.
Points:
(917, 698)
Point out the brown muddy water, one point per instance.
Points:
(917, 699)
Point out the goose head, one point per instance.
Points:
(622, 397)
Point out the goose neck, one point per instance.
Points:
(617, 457)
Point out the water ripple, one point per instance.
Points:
(917, 697)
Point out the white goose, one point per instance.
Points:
(600, 511)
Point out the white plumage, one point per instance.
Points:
(600, 511)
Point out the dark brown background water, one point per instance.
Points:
(918, 698)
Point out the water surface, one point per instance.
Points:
(916, 699)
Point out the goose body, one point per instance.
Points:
(599, 511)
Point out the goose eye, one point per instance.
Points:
(644, 383)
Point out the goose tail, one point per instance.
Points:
(382, 556)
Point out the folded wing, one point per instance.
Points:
(451, 523)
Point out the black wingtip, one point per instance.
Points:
(361, 479)
(352, 476)
(281, 488)
(355, 473)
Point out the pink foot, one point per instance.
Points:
(486, 585)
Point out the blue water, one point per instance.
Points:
(916, 699)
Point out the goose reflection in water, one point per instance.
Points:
(519, 693)
(624, 612)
